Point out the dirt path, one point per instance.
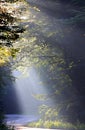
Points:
(26, 128)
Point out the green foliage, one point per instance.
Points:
(12, 1)
(47, 58)
(6, 53)
(5, 16)
(57, 125)
(8, 34)
(48, 113)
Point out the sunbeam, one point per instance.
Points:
(26, 89)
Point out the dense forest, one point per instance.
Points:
(62, 75)
(9, 33)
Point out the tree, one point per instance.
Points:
(8, 34)
(48, 59)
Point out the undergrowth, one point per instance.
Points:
(57, 125)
